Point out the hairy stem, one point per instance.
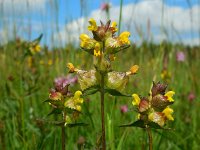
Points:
(102, 113)
(150, 138)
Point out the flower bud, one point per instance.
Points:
(159, 102)
(158, 88)
(132, 70)
(55, 95)
(143, 105)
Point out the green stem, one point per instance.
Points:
(150, 138)
(63, 133)
(120, 16)
(102, 113)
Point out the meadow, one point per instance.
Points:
(26, 120)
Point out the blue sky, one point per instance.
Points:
(64, 18)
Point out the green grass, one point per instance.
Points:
(23, 113)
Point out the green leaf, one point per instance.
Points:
(76, 124)
(138, 123)
(91, 90)
(37, 40)
(55, 111)
(154, 125)
(114, 92)
(142, 124)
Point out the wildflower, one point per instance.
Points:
(87, 43)
(123, 109)
(136, 100)
(93, 25)
(167, 112)
(180, 56)
(123, 38)
(60, 83)
(74, 102)
(133, 70)
(157, 117)
(35, 48)
(54, 95)
(97, 49)
(71, 68)
(156, 107)
(191, 96)
(114, 27)
(169, 96)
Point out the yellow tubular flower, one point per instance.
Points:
(84, 40)
(71, 68)
(136, 100)
(77, 98)
(37, 48)
(114, 26)
(93, 25)
(168, 113)
(134, 69)
(77, 94)
(169, 95)
(97, 50)
(123, 37)
(78, 107)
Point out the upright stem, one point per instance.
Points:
(102, 113)
(120, 16)
(150, 138)
(63, 133)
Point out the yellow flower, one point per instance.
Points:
(169, 95)
(78, 107)
(136, 100)
(87, 42)
(71, 68)
(132, 70)
(74, 102)
(157, 117)
(93, 25)
(35, 48)
(97, 51)
(123, 38)
(114, 26)
(84, 39)
(168, 113)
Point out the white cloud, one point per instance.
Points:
(173, 19)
